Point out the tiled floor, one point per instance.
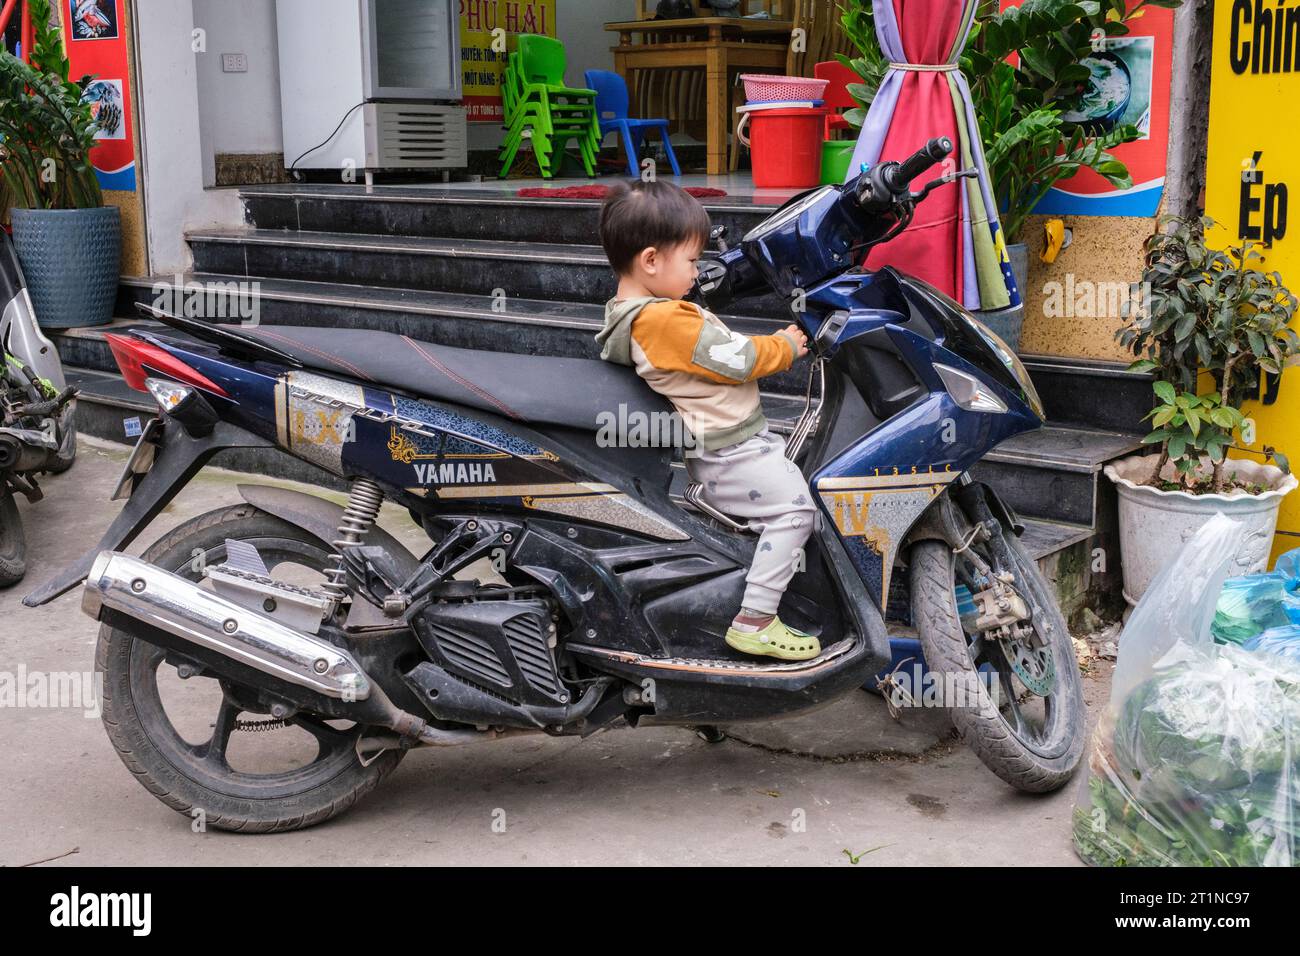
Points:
(739, 188)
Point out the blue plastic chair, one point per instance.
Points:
(611, 111)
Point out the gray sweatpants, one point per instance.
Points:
(753, 479)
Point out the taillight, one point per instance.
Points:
(136, 358)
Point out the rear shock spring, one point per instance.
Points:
(359, 516)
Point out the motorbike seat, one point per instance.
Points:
(537, 389)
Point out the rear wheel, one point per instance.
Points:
(203, 745)
(13, 546)
(1023, 711)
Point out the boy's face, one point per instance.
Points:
(668, 273)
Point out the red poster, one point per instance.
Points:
(94, 35)
(1130, 84)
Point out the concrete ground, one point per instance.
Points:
(810, 790)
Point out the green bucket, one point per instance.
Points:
(836, 156)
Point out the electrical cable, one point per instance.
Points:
(295, 163)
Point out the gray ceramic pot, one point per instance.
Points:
(71, 259)
(1009, 322)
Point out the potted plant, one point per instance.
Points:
(68, 242)
(1209, 318)
(1024, 108)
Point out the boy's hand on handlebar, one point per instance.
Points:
(800, 340)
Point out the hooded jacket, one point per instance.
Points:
(686, 354)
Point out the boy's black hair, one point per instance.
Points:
(639, 215)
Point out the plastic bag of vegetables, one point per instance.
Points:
(1252, 603)
(1284, 641)
(1196, 760)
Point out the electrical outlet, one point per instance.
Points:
(234, 63)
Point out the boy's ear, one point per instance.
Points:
(648, 260)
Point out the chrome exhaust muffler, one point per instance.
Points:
(170, 603)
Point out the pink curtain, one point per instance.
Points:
(955, 242)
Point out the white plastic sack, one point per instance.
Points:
(1195, 760)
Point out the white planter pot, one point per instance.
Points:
(1154, 524)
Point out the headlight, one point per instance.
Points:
(968, 391)
(1009, 359)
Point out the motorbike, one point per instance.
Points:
(37, 428)
(564, 590)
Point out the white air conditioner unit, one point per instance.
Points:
(371, 84)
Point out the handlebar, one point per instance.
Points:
(898, 176)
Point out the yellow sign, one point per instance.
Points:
(488, 29)
(1252, 165)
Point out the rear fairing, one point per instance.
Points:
(422, 452)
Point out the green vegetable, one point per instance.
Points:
(1202, 768)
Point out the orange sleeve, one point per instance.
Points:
(775, 353)
(676, 337)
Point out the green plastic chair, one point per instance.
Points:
(540, 108)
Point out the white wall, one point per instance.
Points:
(172, 164)
(241, 111)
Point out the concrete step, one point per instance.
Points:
(108, 409)
(1054, 473)
(522, 270)
(489, 212)
(1092, 394)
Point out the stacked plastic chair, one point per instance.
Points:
(540, 107)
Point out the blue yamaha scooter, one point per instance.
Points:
(564, 590)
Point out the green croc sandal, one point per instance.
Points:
(775, 640)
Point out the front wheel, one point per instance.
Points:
(1022, 708)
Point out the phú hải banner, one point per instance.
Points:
(488, 29)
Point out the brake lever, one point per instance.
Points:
(942, 181)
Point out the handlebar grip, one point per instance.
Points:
(899, 177)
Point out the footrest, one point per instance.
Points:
(694, 496)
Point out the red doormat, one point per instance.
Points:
(599, 192)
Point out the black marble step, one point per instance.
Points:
(523, 270)
(1051, 473)
(1092, 394)
(460, 212)
(108, 409)
(1055, 472)
(520, 325)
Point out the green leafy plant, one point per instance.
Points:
(46, 131)
(1207, 311)
(1020, 105)
(1189, 426)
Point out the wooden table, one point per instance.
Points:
(720, 45)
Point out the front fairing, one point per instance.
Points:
(961, 335)
(815, 235)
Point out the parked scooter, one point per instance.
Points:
(37, 433)
(564, 590)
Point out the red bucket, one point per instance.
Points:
(785, 146)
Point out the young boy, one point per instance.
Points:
(653, 234)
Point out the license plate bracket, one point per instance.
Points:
(141, 460)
